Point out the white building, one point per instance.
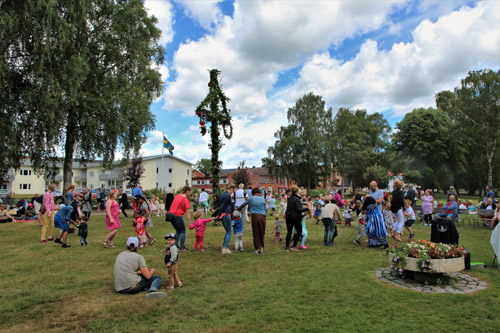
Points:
(167, 173)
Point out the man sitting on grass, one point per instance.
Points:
(132, 275)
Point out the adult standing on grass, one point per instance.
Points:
(62, 219)
(327, 217)
(135, 192)
(376, 194)
(397, 209)
(411, 195)
(293, 216)
(70, 196)
(98, 197)
(427, 206)
(144, 211)
(37, 202)
(225, 212)
(204, 201)
(112, 218)
(239, 199)
(87, 203)
(375, 226)
(179, 207)
(132, 275)
(123, 202)
(48, 216)
(257, 208)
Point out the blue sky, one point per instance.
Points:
(382, 56)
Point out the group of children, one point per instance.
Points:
(156, 206)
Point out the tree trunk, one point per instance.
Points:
(489, 155)
(69, 147)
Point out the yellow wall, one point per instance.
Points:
(182, 172)
(36, 183)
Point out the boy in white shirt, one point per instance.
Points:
(409, 217)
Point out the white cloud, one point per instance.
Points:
(409, 74)
(162, 10)
(206, 12)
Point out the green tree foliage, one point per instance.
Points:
(426, 138)
(204, 166)
(359, 141)
(475, 108)
(302, 151)
(78, 75)
(241, 175)
(377, 173)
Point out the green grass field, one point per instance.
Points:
(323, 289)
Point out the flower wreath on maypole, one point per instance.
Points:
(213, 109)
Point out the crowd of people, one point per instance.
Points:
(377, 216)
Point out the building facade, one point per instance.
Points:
(167, 173)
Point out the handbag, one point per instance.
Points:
(169, 217)
(71, 230)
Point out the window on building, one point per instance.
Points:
(156, 172)
(187, 182)
(25, 186)
(25, 172)
(156, 183)
(91, 173)
(169, 184)
(170, 170)
(188, 171)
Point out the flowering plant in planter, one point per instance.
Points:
(425, 252)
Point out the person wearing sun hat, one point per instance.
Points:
(132, 275)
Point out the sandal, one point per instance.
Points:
(180, 284)
(105, 244)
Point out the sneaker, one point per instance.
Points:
(81, 244)
(58, 241)
(50, 239)
(303, 247)
(294, 249)
(228, 251)
(195, 250)
(184, 249)
(156, 294)
(65, 245)
(287, 249)
(86, 243)
(169, 287)
(141, 246)
(241, 250)
(357, 242)
(412, 235)
(151, 242)
(43, 241)
(202, 250)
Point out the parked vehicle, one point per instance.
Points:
(3, 193)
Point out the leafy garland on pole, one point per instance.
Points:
(213, 109)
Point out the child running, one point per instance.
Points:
(171, 259)
(317, 208)
(360, 225)
(409, 217)
(347, 215)
(199, 226)
(238, 231)
(277, 228)
(83, 230)
(140, 229)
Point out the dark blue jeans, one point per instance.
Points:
(226, 222)
(153, 284)
(180, 231)
(329, 229)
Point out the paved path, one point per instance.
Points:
(465, 284)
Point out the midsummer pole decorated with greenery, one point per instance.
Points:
(213, 109)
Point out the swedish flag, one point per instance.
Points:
(167, 145)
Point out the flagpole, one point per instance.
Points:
(162, 147)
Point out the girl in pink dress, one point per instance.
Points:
(112, 218)
(427, 207)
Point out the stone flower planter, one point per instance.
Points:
(438, 265)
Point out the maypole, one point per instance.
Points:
(213, 109)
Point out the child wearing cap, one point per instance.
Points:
(199, 226)
(171, 262)
(140, 229)
(238, 231)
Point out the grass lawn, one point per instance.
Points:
(323, 289)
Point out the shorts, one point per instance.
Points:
(409, 223)
(142, 238)
(37, 206)
(317, 213)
